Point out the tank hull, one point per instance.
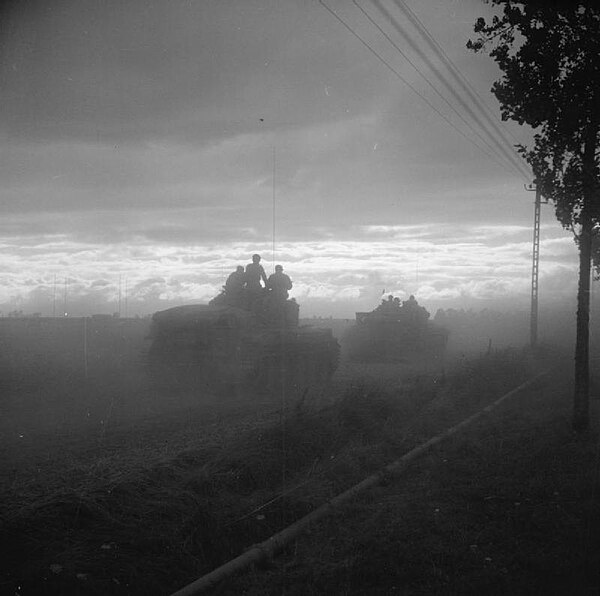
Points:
(394, 343)
(396, 333)
(230, 349)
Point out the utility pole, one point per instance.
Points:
(533, 329)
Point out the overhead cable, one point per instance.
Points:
(460, 79)
(448, 86)
(407, 58)
(469, 89)
(407, 83)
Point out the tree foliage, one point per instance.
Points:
(550, 55)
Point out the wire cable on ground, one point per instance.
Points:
(274, 544)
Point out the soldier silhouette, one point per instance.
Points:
(234, 286)
(254, 275)
(279, 283)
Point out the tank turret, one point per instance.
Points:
(395, 331)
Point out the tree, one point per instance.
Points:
(549, 54)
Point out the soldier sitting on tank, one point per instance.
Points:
(416, 314)
(275, 302)
(279, 284)
(385, 305)
(388, 307)
(234, 287)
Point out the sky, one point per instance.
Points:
(150, 146)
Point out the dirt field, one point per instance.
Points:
(113, 486)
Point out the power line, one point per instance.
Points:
(448, 86)
(470, 90)
(392, 69)
(459, 77)
(391, 41)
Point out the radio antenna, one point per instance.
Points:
(273, 226)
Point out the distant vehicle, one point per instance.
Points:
(231, 345)
(395, 332)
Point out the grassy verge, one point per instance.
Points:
(150, 526)
(509, 506)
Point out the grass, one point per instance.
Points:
(153, 521)
(508, 507)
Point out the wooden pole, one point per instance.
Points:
(581, 394)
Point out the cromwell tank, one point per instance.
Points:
(396, 332)
(229, 345)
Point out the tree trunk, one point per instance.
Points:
(581, 403)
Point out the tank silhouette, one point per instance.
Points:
(395, 332)
(231, 344)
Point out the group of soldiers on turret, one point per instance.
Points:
(408, 310)
(249, 288)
